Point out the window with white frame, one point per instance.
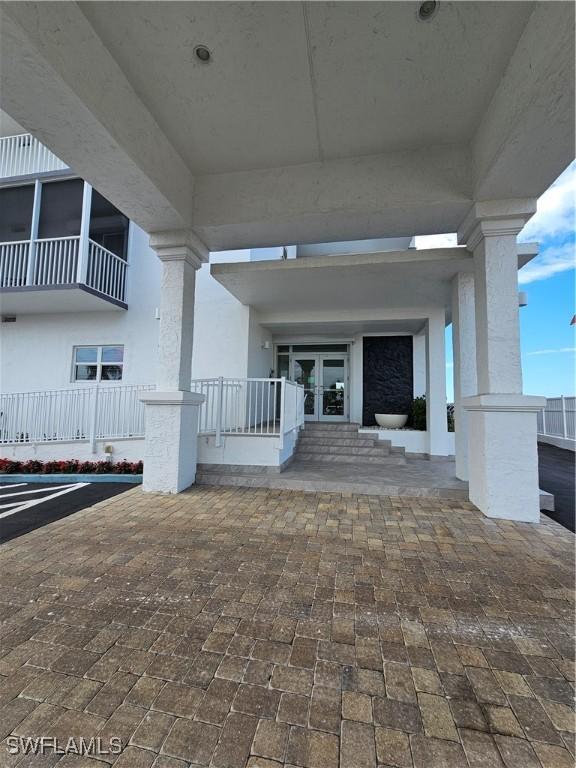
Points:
(98, 363)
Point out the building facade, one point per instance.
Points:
(205, 155)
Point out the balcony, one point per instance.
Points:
(23, 155)
(63, 274)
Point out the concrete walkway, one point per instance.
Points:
(240, 628)
(416, 477)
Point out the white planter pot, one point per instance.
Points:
(391, 420)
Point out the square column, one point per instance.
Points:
(464, 353)
(436, 416)
(171, 412)
(502, 448)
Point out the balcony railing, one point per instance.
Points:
(88, 413)
(558, 419)
(260, 407)
(255, 407)
(57, 261)
(23, 155)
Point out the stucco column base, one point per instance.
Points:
(502, 455)
(171, 441)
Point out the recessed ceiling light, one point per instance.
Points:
(427, 10)
(203, 54)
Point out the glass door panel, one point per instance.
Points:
(305, 373)
(333, 388)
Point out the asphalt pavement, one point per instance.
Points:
(26, 506)
(557, 476)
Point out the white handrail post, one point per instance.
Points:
(282, 408)
(33, 233)
(82, 268)
(219, 404)
(94, 418)
(563, 416)
(544, 418)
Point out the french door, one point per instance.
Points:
(325, 380)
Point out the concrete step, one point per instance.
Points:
(343, 450)
(330, 426)
(352, 442)
(344, 485)
(347, 458)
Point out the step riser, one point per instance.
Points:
(340, 442)
(342, 451)
(348, 459)
(328, 427)
(332, 487)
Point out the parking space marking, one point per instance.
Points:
(20, 506)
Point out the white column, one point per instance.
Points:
(170, 452)
(464, 353)
(502, 452)
(82, 267)
(436, 417)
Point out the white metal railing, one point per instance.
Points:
(55, 261)
(558, 418)
(106, 271)
(262, 407)
(14, 259)
(23, 155)
(86, 413)
(59, 261)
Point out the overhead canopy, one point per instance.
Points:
(351, 282)
(312, 122)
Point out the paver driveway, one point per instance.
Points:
(234, 627)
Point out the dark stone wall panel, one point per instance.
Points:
(387, 376)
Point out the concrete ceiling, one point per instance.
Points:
(293, 83)
(314, 122)
(350, 283)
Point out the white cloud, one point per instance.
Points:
(551, 261)
(436, 241)
(556, 214)
(552, 351)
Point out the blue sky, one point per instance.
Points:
(547, 338)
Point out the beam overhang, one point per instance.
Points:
(59, 81)
(393, 280)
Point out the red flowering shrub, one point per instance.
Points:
(70, 466)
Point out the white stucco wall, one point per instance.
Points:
(221, 326)
(122, 450)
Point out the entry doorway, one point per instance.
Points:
(325, 380)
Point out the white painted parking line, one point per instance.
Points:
(12, 485)
(20, 506)
(39, 490)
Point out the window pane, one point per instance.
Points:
(86, 354)
(16, 213)
(86, 372)
(61, 208)
(111, 373)
(320, 348)
(108, 226)
(112, 354)
(283, 366)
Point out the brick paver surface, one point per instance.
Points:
(260, 628)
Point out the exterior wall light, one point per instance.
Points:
(428, 9)
(203, 54)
